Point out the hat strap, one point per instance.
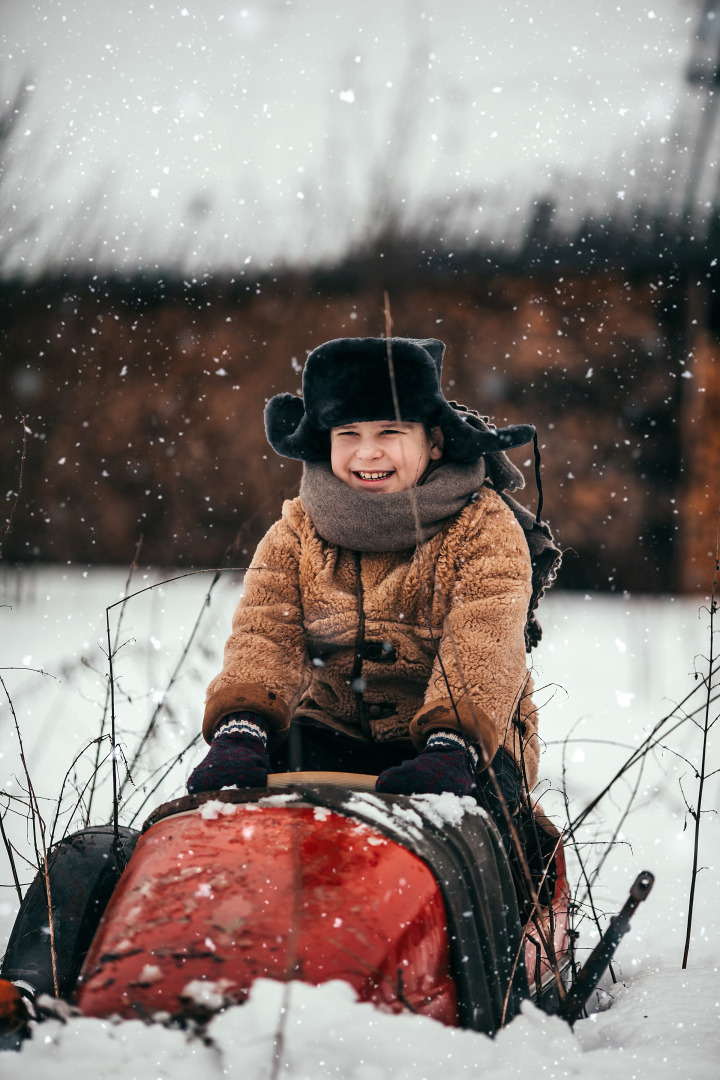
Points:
(538, 481)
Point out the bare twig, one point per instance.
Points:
(652, 740)
(37, 670)
(113, 733)
(570, 831)
(697, 813)
(291, 959)
(103, 719)
(37, 820)
(618, 826)
(168, 769)
(117, 788)
(11, 856)
(173, 678)
(89, 784)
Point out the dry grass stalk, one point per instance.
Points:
(38, 823)
(707, 682)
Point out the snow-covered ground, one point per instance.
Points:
(608, 670)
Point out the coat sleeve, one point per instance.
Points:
(265, 663)
(480, 673)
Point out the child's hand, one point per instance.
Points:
(237, 756)
(446, 763)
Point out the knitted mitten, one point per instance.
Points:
(446, 763)
(237, 756)
(538, 843)
(509, 781)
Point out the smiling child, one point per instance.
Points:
(383, 622)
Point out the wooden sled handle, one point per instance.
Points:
(353, 781)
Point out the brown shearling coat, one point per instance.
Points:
(452, 610)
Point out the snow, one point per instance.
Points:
(654, 1029)
(656, 1020)
(207, 992)
(278, 800)
(150, 973)
(447, 808)
(213, 809)
(439, 809)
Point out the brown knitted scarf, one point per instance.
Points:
(376, 521)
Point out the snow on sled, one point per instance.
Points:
(410, 899)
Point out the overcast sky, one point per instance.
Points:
(213, 132)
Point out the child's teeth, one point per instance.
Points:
(373, 475)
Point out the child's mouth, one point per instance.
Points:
(373, 477)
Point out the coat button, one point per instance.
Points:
(374, 712)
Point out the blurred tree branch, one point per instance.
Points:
(17, 221)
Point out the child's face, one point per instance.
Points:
(382, 455)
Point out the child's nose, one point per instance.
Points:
(368, 450)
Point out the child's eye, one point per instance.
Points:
(391, 431)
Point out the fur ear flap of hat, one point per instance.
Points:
(349, 380)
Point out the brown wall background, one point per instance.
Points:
(144, 408)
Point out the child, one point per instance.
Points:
(383, 625)
(383, 622)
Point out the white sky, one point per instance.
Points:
(213, 132)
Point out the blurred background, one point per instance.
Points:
(192, 197)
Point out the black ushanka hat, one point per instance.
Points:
(350, 380)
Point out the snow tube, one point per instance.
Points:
(409, 899)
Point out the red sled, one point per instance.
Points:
(410, 899)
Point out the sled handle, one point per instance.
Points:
(589, 975)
